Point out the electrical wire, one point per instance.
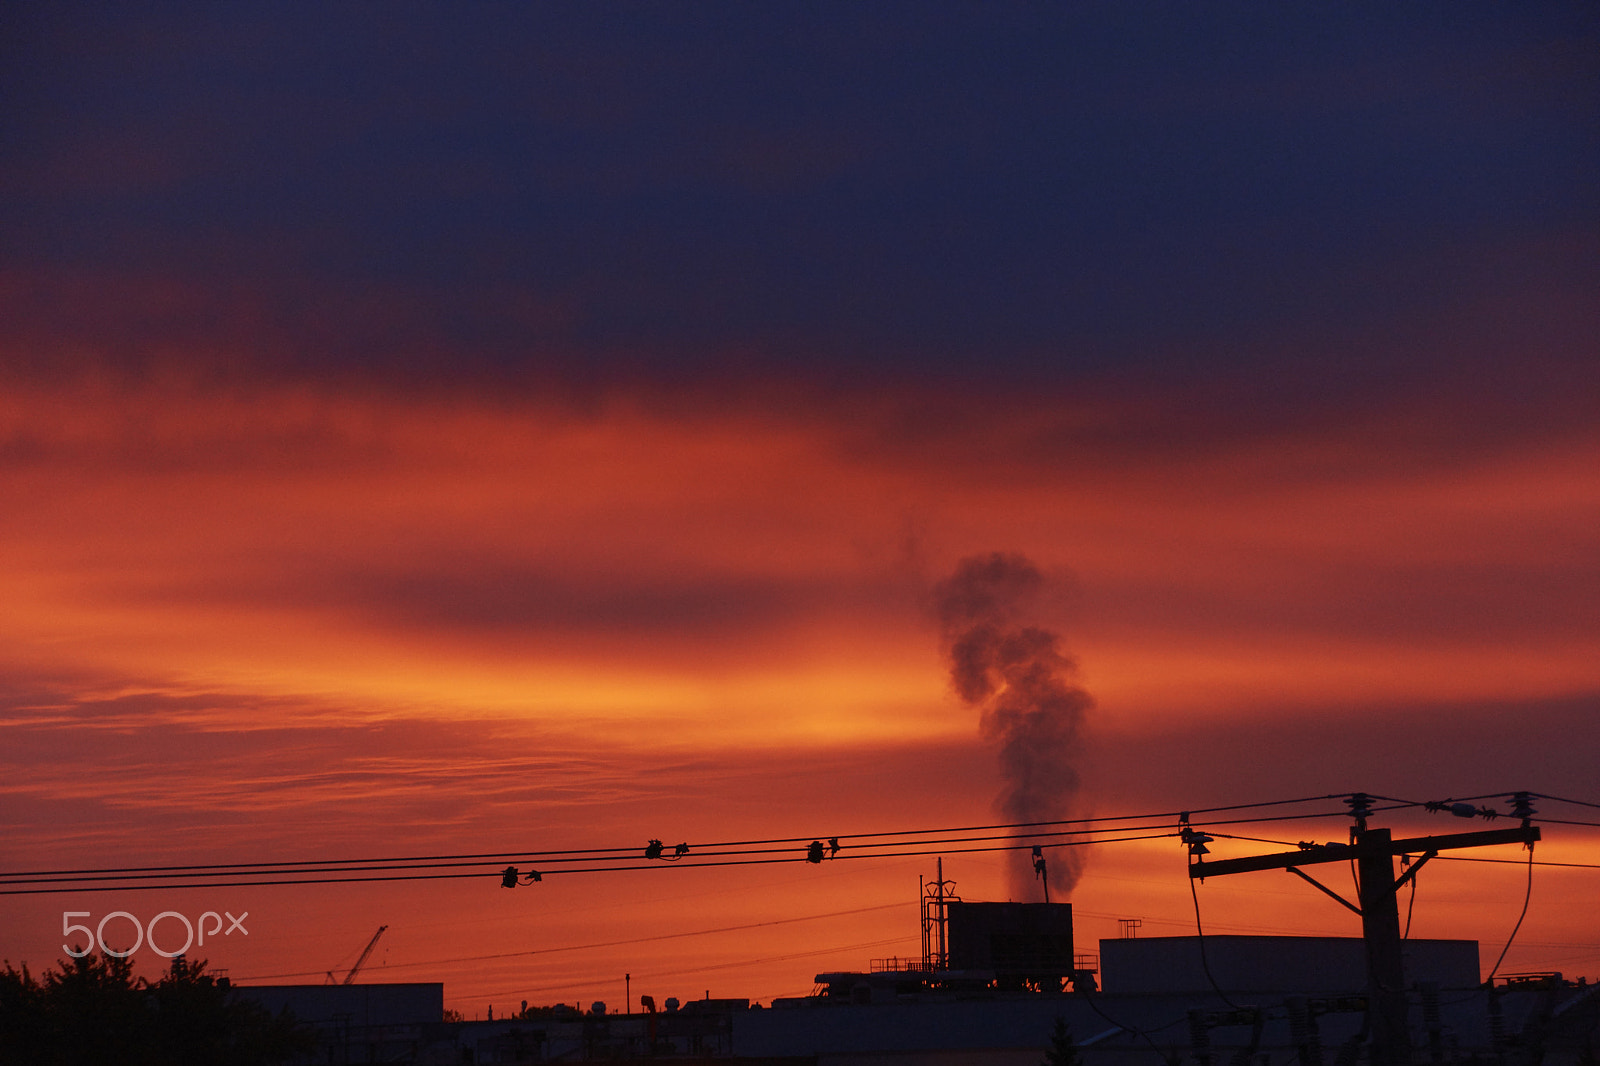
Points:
(1090, 997)
(1256, 840)
(786, 858)
(607, 859)
(1558, 799)
(1527, 895)
(607, 943)
(1519, 862)
(280, 870)
(334, 866)
(1200, 936)
(1411, 902)
(1392, 799)
(592, 855)
(1487, 795)
(600, 853)
(873, 845)
(658, 975)
(1537, 795)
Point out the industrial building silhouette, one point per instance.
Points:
(992, 992)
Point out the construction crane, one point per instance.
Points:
(351, 976)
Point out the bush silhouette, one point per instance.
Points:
(93, 1010)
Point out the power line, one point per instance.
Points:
(599, 859)
(279, 873)
(1519, 862)
(608, 943)
(657, 975)
(1558, 799)
(787, 858)
(872, 845)
(1064, 821)
(1527, 896)
(598, 853)
(1200, 938)
(354, 866)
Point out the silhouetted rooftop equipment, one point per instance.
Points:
(1025, 945)
(935, 897)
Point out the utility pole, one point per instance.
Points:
(1373, 851)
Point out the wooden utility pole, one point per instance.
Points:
(1373, 851)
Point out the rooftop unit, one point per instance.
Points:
(1025, 945)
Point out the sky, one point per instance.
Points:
(438, 430)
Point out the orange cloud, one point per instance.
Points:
(259, 618)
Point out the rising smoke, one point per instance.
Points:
(1019, 678)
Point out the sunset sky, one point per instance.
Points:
(458, 429)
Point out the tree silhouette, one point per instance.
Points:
(94, 1010)
(1063, 1050)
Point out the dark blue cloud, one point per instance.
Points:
(1023, 192)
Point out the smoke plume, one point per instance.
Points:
(1019, 678)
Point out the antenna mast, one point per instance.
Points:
(935, 920)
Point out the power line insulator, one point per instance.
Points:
(814, 852)
(653, 849)
(1196, 841)
(1360, 805)
(1522, 807)
(508, 878)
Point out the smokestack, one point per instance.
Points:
(1016, 674)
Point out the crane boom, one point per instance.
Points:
(351, 976)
